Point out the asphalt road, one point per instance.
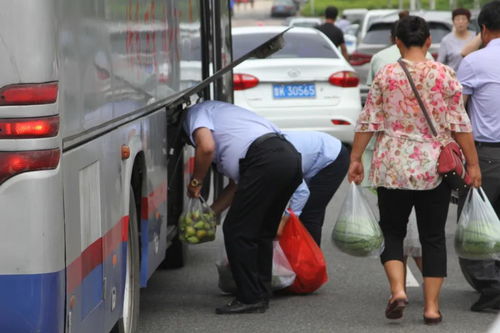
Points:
(353, 300)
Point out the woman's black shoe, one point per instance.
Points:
(235, 307)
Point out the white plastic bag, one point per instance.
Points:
(356, 231)
(478, 231)
(411, 243)
(282, 276)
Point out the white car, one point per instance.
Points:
(307, 85)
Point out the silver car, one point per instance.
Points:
(377, 37)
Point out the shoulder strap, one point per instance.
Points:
(417, 95)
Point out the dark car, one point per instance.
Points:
(283, 8)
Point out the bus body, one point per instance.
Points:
(89, 151)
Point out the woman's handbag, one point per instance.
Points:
(451, 161)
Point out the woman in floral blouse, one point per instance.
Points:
(404, 165)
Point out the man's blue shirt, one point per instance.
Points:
(479, 74)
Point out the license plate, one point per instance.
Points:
(301, 90)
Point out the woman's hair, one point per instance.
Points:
(412, 31)
(460, 11)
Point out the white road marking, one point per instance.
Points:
(411, 281)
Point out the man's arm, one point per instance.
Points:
(204, 155)
(224, 200)
(343, 49)
(466, 99)
(472, 46)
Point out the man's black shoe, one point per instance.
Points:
(235, 307)
(490, 301)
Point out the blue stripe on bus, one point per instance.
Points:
(32, 303)
(92, 290)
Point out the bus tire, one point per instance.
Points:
(131, 293)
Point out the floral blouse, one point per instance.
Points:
(406, 152)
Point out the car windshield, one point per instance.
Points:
(381, 33)
(297, 45)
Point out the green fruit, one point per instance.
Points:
(195, 214)
(199, 225)
(201, 233)
(193, 240)
(190, 231)
(207, 226)
(210, 233)
(188, 220)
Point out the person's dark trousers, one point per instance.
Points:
(269, 174)
(322, 187)
(485, 274)
(431, 208)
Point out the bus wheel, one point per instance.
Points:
(128, 321)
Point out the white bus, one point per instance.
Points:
(91, 97)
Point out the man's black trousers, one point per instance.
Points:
(269, 174)
(322, 187)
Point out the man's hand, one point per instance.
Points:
(356, 172)
(193, 191)
(474, 173)
(283, 221)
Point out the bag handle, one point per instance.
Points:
(417, 95)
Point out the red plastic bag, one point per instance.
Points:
(304, 255)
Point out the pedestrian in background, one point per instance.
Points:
(264, 170)
(343, 23)
(404, 165)
(479, 74)
(453, 43)
(334, 33)
(324, 165)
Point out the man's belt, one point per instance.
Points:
(487, 144)
(266, 136)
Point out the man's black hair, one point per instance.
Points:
(331, 12)
(490, 16)
(412, 31)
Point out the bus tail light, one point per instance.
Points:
(16, 162)
(24, 128)
(244, 81)
(344, 79)
(29, 94)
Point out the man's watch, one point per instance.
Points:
(194, 183)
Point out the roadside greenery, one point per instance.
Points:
(320, 5)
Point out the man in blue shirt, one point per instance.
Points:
(264, 170)
(324, 165)
(479, 74)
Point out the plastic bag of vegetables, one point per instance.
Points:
(197, 223)
(282, 273)
(478, 231)
(356, 231)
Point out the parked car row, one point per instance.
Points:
(374, 35)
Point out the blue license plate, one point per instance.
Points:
(300, 90)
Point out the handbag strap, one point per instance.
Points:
(417, 95)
